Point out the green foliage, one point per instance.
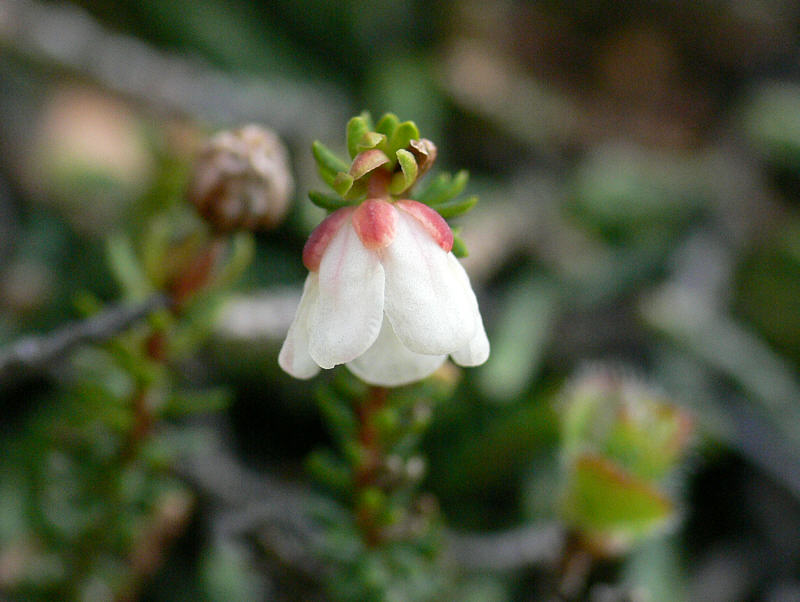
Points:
(391, 533)
(126, 268)
(607, 504)
(459, 246)
(90, 492)
(408, 172)
(441, 194)
(456, 207)
(102, 499)
(328, 163)
(386, 147)
(401, 136)
(620, 441)
(402, 571)
(357, 128)
(329, 202)
(443, 188)
(387, 124)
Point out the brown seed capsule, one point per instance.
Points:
(242, 181)
(424, 152)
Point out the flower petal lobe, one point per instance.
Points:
(434, 223)
(348, 315)
(387, 363)
(294, 357)
(428, 302)
(321, 237)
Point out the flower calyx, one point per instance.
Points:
(386, 161)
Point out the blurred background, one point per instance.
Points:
(638, 166)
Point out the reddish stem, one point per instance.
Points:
(368, 434)
(198, 273)
(181, 289)
(369, 438)
(143, 423)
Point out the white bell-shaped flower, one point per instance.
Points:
(385, 296)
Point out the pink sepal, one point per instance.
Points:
(431, 221)
(321, 237)
(375, 222)
(367, 161)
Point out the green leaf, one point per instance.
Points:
(243, 249)
(388, 423)
(603, 499)
(443, 188)
(154, 248)
(338, 415)
(453, 189)
(196, 326)
(328, 162)
(455, 208)
(197, 402)
(372, 499)
(330, 471)
(371, 140)
(408, 172)
(86, 303)
(327, 201)
(125, 267)
(342, 183)
(387, 124)
(650, 441)
(356, 128)
(358, 191)
(433, 188)
(402, 135)
(459, 246)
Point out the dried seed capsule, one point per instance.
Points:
(242, 180)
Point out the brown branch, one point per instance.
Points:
(35, 353)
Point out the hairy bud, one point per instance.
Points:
(242, 181)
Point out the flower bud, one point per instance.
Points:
(623, 419)
(621, 441)
(242, 180)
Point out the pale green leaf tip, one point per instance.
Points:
(342, 183)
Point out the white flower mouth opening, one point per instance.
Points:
(385, 296)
